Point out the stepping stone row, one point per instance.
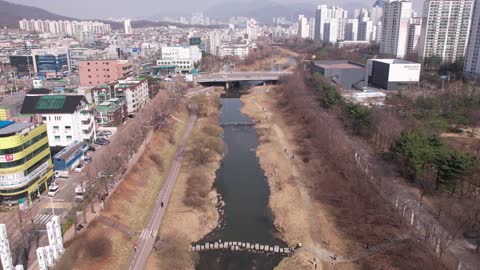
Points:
(237, 246)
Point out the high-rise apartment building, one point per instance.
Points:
(414, 30)
(73, 28)
(351, 32)
(326, 14)
(445, 29)
(396, 17)
(330, 31)
(472, 62)
(128, 27)
(303, 27)
(365, 29)
(252, 30)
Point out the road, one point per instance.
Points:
(240, 76)
(147, 238)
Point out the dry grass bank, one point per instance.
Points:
(192, 212)
(130, 204)
(316, 204)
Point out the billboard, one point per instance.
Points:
(404, 72)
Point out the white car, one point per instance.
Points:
(53, 190)
(79, 168)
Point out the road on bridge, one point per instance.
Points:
(240, 76)
(147, 238)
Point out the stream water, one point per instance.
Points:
(243, 187)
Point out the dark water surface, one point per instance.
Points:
(243, 186)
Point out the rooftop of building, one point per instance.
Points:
(12, 127)
(394, 61)
(339, 64)
(109, 105)
(51, 104)
(69, 150)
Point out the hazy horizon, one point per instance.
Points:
(141, 9)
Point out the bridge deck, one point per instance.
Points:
(240, 76)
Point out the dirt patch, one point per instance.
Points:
(191, 212)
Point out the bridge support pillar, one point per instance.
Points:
(264, 83)
(227, 85)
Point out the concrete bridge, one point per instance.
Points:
(232, 78)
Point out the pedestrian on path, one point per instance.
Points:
(161, 204)
(135, 247)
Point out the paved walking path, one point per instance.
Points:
(147, 238)
(116, 225)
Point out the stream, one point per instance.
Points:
(243, 186)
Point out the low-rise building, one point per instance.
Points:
(99, 72)
(111, 113)
(25, 163)
(68, 117)
(69, 157)
(392, 74)
(183, 58)
(133, 92)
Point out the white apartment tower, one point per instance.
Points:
(128, 27)
(303, 27)
(396, 17)
(351, 32)
(330, 31)
(472, 63)
(414, 30)
(445, 29)
(252, 29)
(365, 29)
(326, 14)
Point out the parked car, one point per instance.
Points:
(103, 134)
(87, 159)
(80, 193)
(91, 148)
(102, 141)
(53, 190)
(79, 168)
(108, 132)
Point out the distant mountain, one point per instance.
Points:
(265, 11)
(11, 13)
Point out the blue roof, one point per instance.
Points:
(6, 123)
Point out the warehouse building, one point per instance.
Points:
(347, 74)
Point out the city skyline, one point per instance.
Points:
(143, 9)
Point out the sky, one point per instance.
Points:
(102, 9)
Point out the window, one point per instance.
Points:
(69, 138)
(55, 127)
(44, 118)
(88, 70)
(57, 138)
(58, 118)
(88, 64)
(68, 128)
(89, 76)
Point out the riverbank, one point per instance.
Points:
(192, 211)
(290, 203)
(315, 203)
(102, 247)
